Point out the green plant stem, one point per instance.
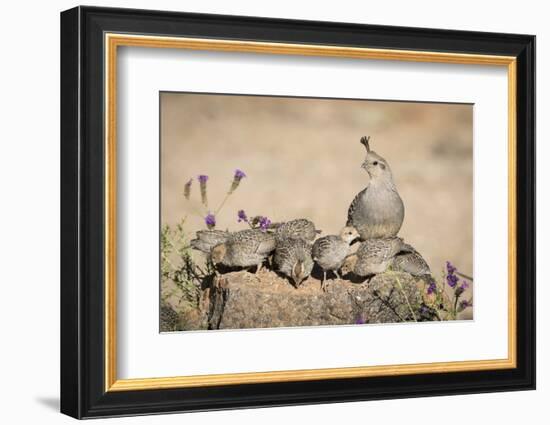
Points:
(165, 258)
(465, 276)
(406, 298)
(196, 213)
(228, 194)
(454, 307)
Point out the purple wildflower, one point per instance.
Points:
(465, 304)
(451, 278)
(210, 220)
(239, 175)
(242, 216)
(359, 321)
(450, 268)
(187, 189)
(424, 309)
(202, 180)
(264, 223)
(464, 285)
(432, 288)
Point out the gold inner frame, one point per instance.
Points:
(113, 41)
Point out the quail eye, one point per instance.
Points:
(375, 163)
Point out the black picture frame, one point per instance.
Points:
(83, 392)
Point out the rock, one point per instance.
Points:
(241, 300)
(169, 319)
(184, 317)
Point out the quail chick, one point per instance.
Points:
(208, 239)
(331, 251)
(300, 228)
(245, 248)
(293, 259)
(374, 256)
(410, 261)
(377, 211)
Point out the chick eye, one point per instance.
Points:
(375, 163)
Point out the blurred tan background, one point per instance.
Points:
(302, 158)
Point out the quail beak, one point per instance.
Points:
(297, 281)
(365, 166)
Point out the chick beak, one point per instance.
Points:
(297, 281)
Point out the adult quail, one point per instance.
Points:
(245, 248)
(208, 239)
(374, 256)
(331, 251)
(300, 228)
(377, 211)
(293, 258)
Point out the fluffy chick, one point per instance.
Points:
(293, 259)
(207, 239)
(246, 248)
(331, 251)
(410, 261)
(300, 228)
(374, 256)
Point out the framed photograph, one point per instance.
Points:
(261, 212)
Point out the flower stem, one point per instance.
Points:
(454, 307)
(406, 298)
(228, 194)
(465, 276)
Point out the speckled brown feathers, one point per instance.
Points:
(373, 256)
(300, 228)
(244, 249)
(293, 259)
(329, 252)
(208, 239)
(410, 261)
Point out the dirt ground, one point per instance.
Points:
(302, 158)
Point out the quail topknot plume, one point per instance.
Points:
(377, 211)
